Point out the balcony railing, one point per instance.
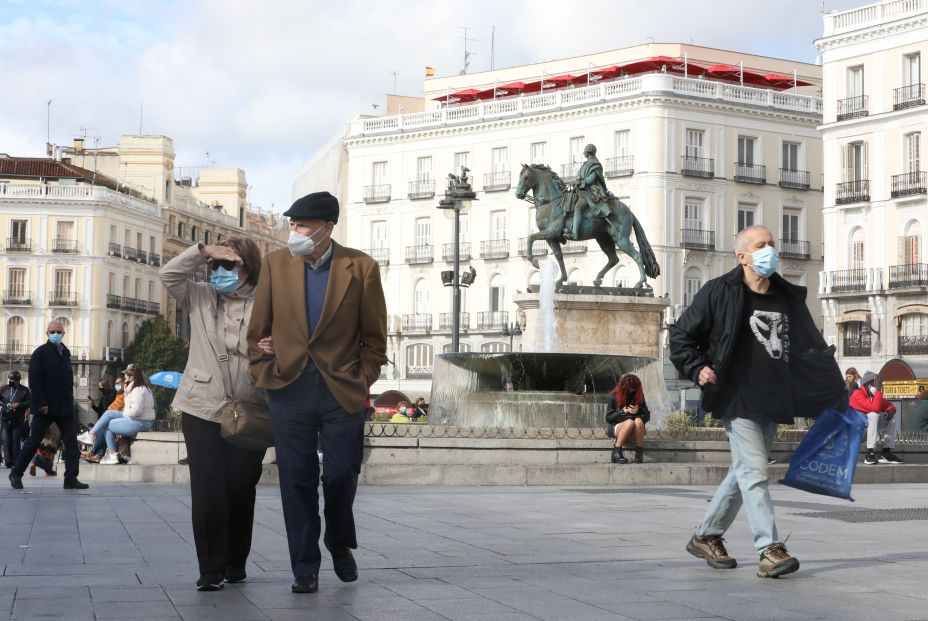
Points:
(17, 297)
(114, 250)
(794, 249)
(843, 281)
(417, 323)
(497, 181)
(912, 275)
(15, 244)
(447, 252)
(112, 354)
(697, 239)
(142, 256)
(853, 107)
(130, 254)
(750, 173)
(857, 346)
(154, 259)
(419, 371)
(62, 298)
(698, 167)
(64, 246)
(909, 96)
(445, 320)
(909, 184)
(15, 351)
(377, 193)
(913, 345)
(381, 255)
(621, 166)
(570, 173)
(573, 247)
(853, 192)
(422, 188)
(492, 320)
(494, 249)
(796, 179)
(539, 248)
(416, 255)
(113, 301)
(154, 308)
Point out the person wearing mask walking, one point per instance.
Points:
(14, 403)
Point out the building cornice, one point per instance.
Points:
(872, 33)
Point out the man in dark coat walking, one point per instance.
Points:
(52, 401)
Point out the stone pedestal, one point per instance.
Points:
(595, 324)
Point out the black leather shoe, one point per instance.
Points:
(16, 482)
(305, 584)
(343, 560)
(74, 484)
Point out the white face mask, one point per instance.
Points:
(301, 245)
(872, 389)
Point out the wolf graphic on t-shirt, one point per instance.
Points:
(771, 329)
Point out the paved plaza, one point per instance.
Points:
(490, 553)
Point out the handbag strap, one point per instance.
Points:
(222, 352)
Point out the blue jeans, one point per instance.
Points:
(124, 427)
(745, 484)
(99, 430)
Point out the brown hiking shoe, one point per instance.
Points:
(712, 548)
(775, 561)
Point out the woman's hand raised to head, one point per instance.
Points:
(220, 253)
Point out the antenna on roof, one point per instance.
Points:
(492, 47)
(467, 53)
(141, 105)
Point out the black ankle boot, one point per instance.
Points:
(618, 457)
(639, 455)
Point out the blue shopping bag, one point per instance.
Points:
(825, 460)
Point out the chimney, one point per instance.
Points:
(78, 145)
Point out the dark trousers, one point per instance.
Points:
(38, 426)
(11, 437)
(301, 414)
(222, 494)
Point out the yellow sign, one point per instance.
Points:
(907, 389)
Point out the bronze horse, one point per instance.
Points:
(551, 194)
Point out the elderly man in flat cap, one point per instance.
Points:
(317, 339)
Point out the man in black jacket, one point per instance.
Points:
(14, 403)
(52, 384)
(749, 341)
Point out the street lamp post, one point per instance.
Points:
(513, 329)
(457, 199)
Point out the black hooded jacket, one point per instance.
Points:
(51, 381)
(707, 332)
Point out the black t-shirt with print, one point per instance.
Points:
(759, 385)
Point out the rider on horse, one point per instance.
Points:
(591, 192)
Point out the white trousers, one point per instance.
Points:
(878, 425)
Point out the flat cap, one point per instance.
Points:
(318, 205)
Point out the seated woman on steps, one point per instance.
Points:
(627, 415)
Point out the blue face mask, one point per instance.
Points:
(766, 261)
(55, 338)
(225, 281)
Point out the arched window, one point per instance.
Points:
(419, 361)
(462, 348)
(497, 293)
(575, 277)
(692, 282)
(534, 280)
(623, 276)
(421, 297)
(910, 246)
(125, 335)
(15, 333)
(913, 334)
(494, 348)
(858, 239)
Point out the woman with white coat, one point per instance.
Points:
(138, 414)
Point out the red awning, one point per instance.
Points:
(733, 73)
(468, 94)
(605, 73)
(783, 81)
(557, 81)
(655, 63)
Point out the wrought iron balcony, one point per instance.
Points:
(381, 255)
(794, 249)
(154, 259)
(857, 347)
(416, 255)
(419, 371)
(16, 244)
(143, 256)
(62, 297)
(494, 249)
(114, 250)
(843, 281)
(64, 245)
(417, 323)
(131, 305)
(853, 107)
(422, 188)
(445, 320)
(497, 181)
(853, 192)
(130, 254)
(447, 252)
(750, 173)
(697, 239)
(154, 308)
(113, 354)
(909, 184)
(570, 173)
(539, 248)
(698, 167)
(912, 275)
(621, 166)
(573, 247)
(908, 96)
(113, 301)
(15, 351)
(377, 193)
(913, 345)
(17, 297)
(492, 320)
(795, 179)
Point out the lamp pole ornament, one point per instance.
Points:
(457, 197)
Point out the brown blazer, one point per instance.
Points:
(349, 344)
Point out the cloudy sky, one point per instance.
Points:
(262, 85)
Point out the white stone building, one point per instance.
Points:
(874, 287)
(696, 155)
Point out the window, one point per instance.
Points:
(855, 161)
(379, 234)
(15, 331)
(913, 324)
(424, 168)
(125, 286)
(745, 216)
(575, 150)
(18, 231)
(622, 276)
(62, 283)
(912, 69)
(138, 241)
(125, 335)
(419, 358)
(460, 160)
(621, 144)
(912, 152)
(125, 239)
(17, 283)
(423, 231)
(538, 153)
(151, 244)
(692, 214)
(138, 288)
(151, 291)
(791, 225)
(65, 229)
(746, 150)
(462, 347)
(497, 293)
(421, 297)
(464, 228)
(206, 238)
(695, 142)
(500, 159)
(498, 225)
(790, 156)
(855, 81)
(858, 239)
(110, 283)
(534, 280)
(194, 232)
(494, 348)
(109, 333)
(379, 173)
(910, 244)
(692, 282)
(181, 230)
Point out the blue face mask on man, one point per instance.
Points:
(766, 261)
(225, 281)
(55, 338)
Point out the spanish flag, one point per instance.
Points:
(429, 72)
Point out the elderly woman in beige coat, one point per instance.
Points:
(222, 476)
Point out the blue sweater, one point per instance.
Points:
(316, 282)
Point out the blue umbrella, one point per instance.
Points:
(168, 379)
